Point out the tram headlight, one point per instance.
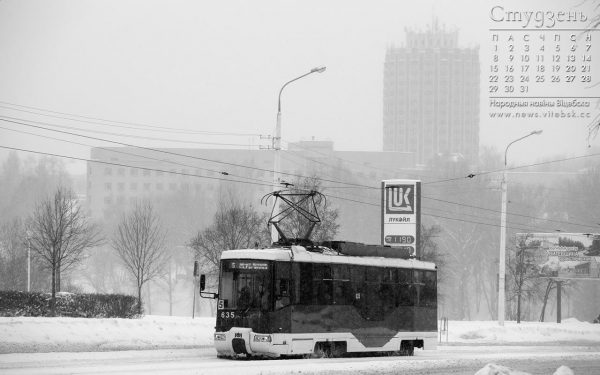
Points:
(220, 337)
(262, 338)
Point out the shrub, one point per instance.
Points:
(68, 304)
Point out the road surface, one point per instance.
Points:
(583, 360)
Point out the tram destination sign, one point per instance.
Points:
(246, 265)
(400, 214)
(562, 255)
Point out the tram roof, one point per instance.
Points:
(300, 254)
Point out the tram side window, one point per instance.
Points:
(305, 283)
(390, 275)
(343, 292)
(429, 293)
(357, 274)
(403, 292)
(404, 276)
(387, 290)
(315, 284)
(417, 287)
(283, 292)
(376, 292)
(373, 275)
(323, 280)
(324, 284)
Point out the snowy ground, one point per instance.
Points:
(570, 331)
(25, 335)
(454, 360)
(37, 335)
(22, 335)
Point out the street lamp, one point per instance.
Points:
(502, 259)
(277, 147)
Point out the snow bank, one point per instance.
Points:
(563, 370)
(493, 369)
(480, 332)
(23, 335)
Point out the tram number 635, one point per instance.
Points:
(227, 314)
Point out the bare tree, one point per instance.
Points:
(59, 234)
(432, 253)
(235, 226)
(523, 271)
(549, 287)
(140, 243)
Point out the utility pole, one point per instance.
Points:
(558, 300)
(196, 274)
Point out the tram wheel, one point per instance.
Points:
(407, 348)
(330, 349)
(322, 350)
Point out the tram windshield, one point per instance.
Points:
(245, 284)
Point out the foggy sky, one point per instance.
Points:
(218, 66)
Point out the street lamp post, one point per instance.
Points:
(277, 148)
(502, 259)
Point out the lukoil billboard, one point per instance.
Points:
(400, 214)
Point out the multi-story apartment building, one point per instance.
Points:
(431, 97)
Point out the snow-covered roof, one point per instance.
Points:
(300, 254)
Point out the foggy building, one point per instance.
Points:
(117, 177)
(431, 97)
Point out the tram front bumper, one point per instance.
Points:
(242, 341)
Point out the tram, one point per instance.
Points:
(331, 299)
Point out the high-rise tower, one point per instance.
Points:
(431, 97)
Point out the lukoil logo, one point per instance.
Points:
(400, 199)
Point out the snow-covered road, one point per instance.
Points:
(584, 360)
(172, 345)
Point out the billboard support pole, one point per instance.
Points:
(558, 300)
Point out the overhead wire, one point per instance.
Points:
(231, 180)
(485, 209)
(355, 185)
(136, 136)
(436, 209)
(113, 150)
(472, 175)
(441, 217)
(163, 151)
(513, 214)
(105, 122)
(130, 166)
(271, 171)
